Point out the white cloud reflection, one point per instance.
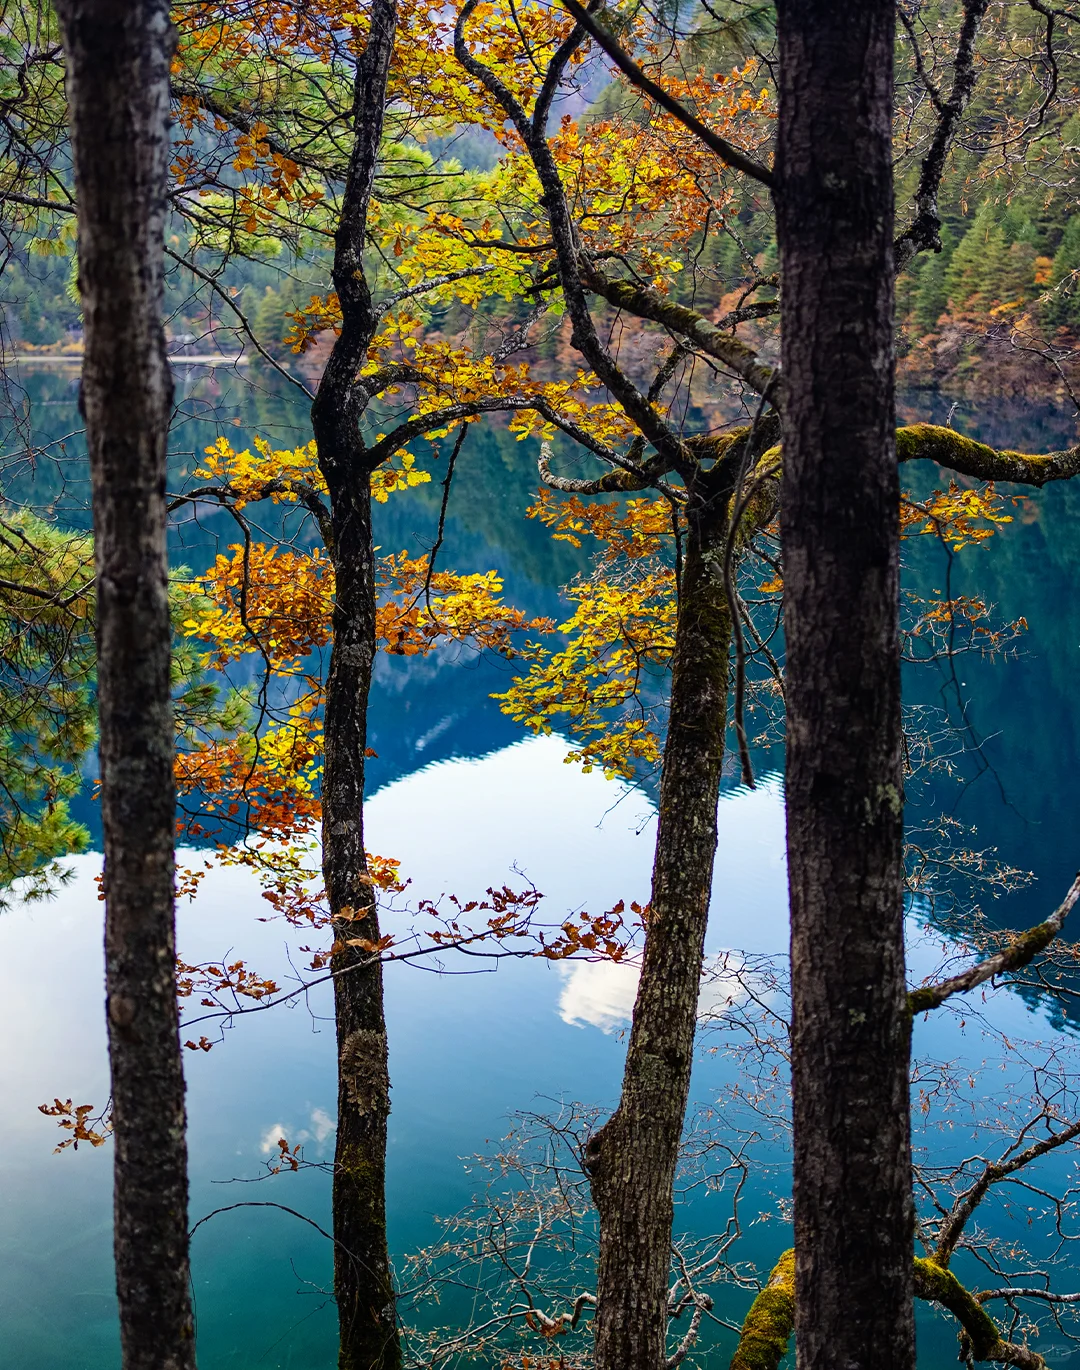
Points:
(599, 994)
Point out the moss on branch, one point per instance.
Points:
(1018, 953)
(770, 1322)
(936, 1284)
(930, 442)
(648, 303)
(767, 1330)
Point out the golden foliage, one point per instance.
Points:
(959, 516)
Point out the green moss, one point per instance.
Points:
(714, 446)
(938, 1285)
(770, 1322)
(929, 442)
(943, 445)
(767, 1330)
(922, 1000)
(1020, 951)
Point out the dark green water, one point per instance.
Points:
(464, 807)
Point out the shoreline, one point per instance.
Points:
(175, 359)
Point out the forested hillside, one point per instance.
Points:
(995, 310)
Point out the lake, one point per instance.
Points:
(465, 801)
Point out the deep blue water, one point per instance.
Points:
(465, 802)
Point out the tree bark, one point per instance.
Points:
(851, 1024)
(117, 56)
(631, 1161)
(363, 1283)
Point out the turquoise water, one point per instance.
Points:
(464, 802)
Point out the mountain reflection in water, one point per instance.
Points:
(466, 1050)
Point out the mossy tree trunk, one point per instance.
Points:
(851, 1025)
(117, 58)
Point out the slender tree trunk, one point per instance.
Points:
(117, 54)
(362, 1279)
(363, 1283)
(631, 1160)
(851, 1028)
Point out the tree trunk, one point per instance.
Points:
(631, 1160)
(363, 1284)
(117, 58)
(851, 1027)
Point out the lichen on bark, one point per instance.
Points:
(364, 1074)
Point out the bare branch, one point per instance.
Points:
(985, 1295)
(923, 233)
(607, 483)
(702, 1305)
(306, 494)
(1018, 953)
(994, 1172)
(241, 318)
(422, 287)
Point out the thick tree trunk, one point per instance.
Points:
(117, 57)
(363, 1284)
(852, 1172)
(631, 1160)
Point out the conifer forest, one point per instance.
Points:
(539, 684)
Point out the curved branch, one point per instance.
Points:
(1020, 951)
(610, 481)
(243, 121)
(993, 1173)
(923, 233)
(728, 153)
(556, 67)
(936, 1284)
(929, 442)
(305, 494)
(396, 373)
(652, 472)
(568, 253)
(767, 1330)
(420, 424)
(226, 298)
(914, 442)
(702, 1305)
(422, 287)
(647, 303)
